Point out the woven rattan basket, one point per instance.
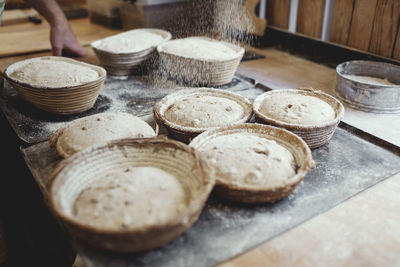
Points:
(77, 172)
(240, 191)
(314, 135)
(194, 71)
(62, 100)
(185, 133)
(122, 64)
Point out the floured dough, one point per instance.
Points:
(298, 109)
(130, 42)
(45, 72)
(201, 111)
(249, 159)
(368, 79)
(200, 48)
(133, 197)
(97, 130)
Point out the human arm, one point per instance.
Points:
(62, 38)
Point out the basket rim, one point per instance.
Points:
(264, 131)
(100, 70)
(239, 53)
(338, 108)
(165, 34)
(56, 182)
(168, 99)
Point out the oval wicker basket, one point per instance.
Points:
(198, 71)
(184, 133)
(60, 100)
(75, 173)
(122, 64)
(314, 135)
(250, 193)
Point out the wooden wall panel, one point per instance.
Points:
(310, 16)
(396, 50)
(361, 24)
(385, 27)
(278, 13)
(341, 21)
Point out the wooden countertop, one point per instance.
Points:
(362, 231)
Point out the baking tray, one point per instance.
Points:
(351, 162)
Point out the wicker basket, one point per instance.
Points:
(314, 135)
(255, 193)
(75, 173)
(184, 133)
(122, 64)
(201, 72)
(62, 100)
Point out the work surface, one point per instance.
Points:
(363, 230)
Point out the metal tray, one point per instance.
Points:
(225, 229)
(351, 162)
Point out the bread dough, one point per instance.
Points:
(368, 79)
(296, 108)
(48, 73)
(203, 111)
(129, 198)
(130, 41)
(97, 130)
(200, 48)
(249, 159)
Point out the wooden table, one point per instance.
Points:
(362, 231)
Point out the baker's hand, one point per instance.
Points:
(64, 42)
